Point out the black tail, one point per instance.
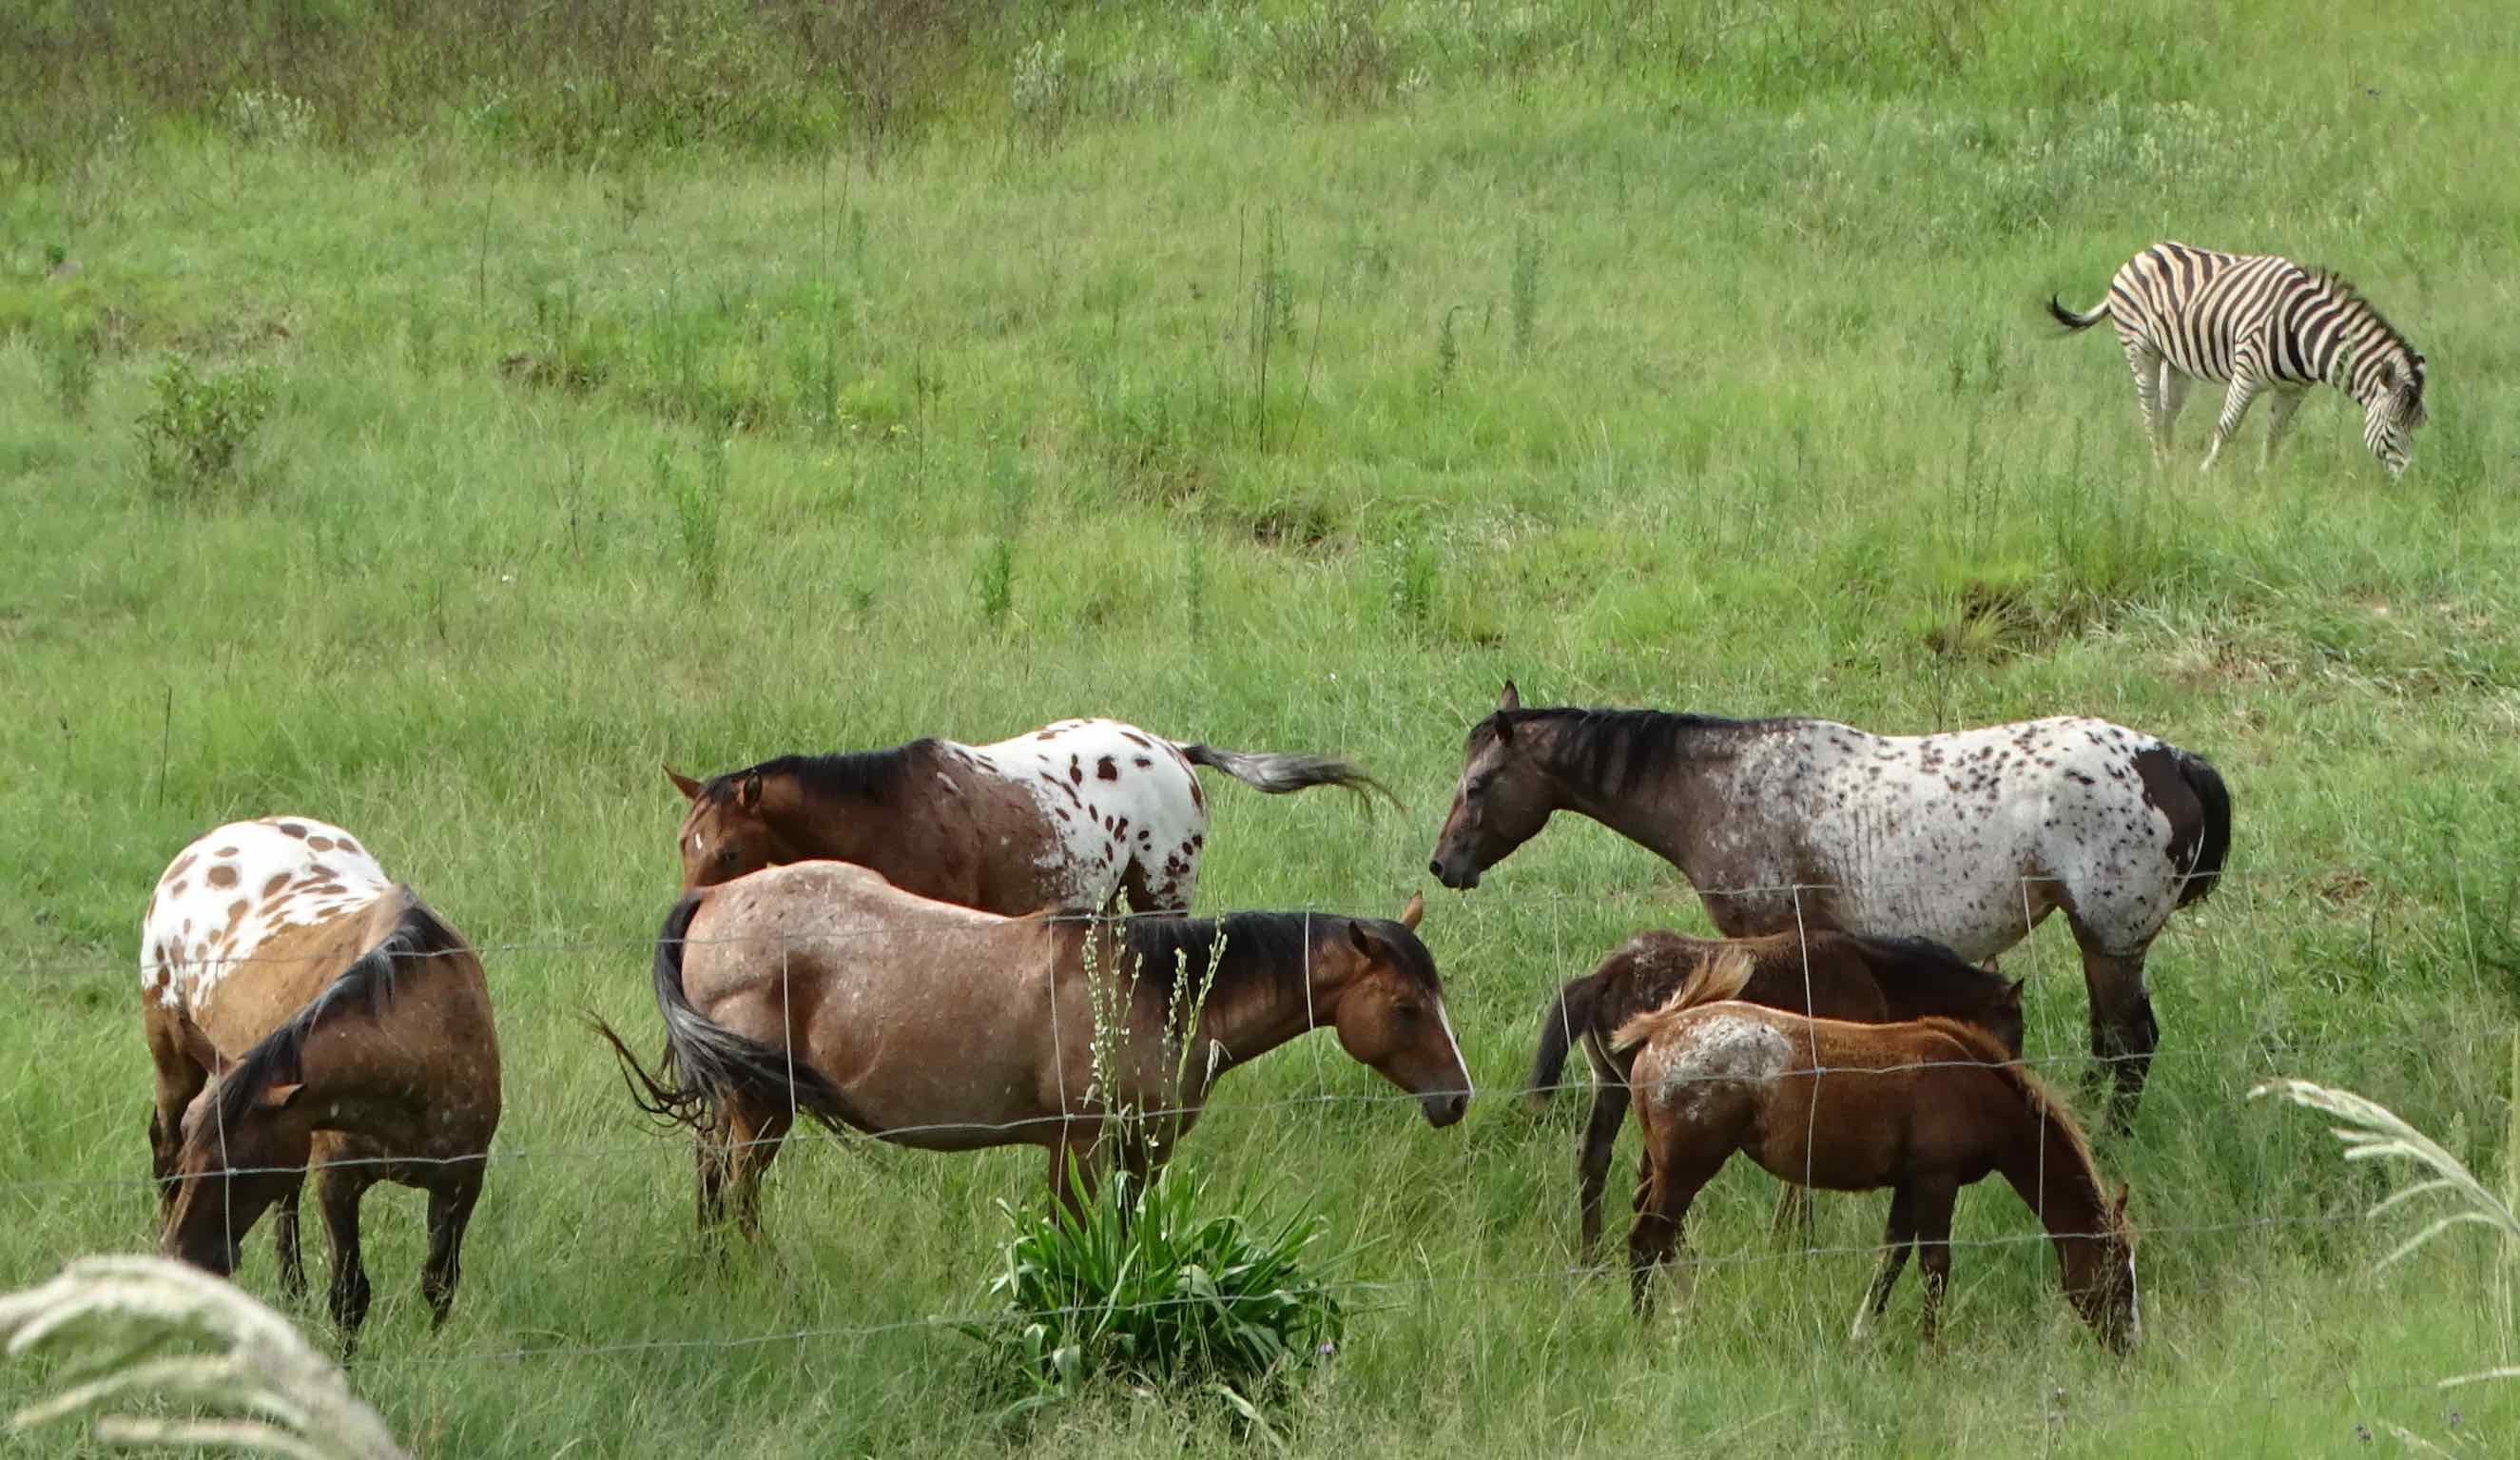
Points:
(1279, 774)
(2074, 323)
(705, 1065)
(2216, 842)
(1567, 1017)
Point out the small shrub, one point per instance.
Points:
(699, 501)
(72, 360)
(996, 581)
(194, 440)
(1148, 1284)
(1527, 249)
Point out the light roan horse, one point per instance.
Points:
(305, 1010)
(1071, 816)
(820, 989)
(1969, 839)
(1825, 973)
(1923, 1108)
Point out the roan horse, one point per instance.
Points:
(821, 989)
(1070, 815)
(304, 1011)
(1826, 974)
(1969, 839)
(1923, 1108)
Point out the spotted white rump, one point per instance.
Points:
(1117, 795)
(235, 887)
(1717, 1050)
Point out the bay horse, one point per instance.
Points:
(820, 989)
(1970, 837)
(1073, 814)
(1923, 1108)
(304, 1011)
(1825, 973)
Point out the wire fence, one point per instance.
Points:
(2224, 941)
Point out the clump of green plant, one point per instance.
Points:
(996, 581)
(1528, 248)
(194, 440)
(699, 501)
(1146, 1281)
(73, 359)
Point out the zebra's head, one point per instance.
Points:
(2395, 408)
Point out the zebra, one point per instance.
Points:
(2260, 322)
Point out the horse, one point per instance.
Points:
(820, 989)
(1825, 973)
(1923, 1108)
(1074, 814)
(1970, 839)
(304, 1011)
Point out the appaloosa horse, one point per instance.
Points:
(821, 989)
(1923, 1108)
(1071, 816)
(305, 1010)
(1825, 973)
(1969, 839)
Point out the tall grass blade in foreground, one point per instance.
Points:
(124, 1321)
(2373, 1132)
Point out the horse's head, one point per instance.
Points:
(242, 1151)
(2395, 409)
(2099, 1276)
(2000, 1016)
(728, 832)
(1389, 1011)
(1503, 800)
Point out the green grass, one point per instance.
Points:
(1285, 388)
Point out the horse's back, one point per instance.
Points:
(229, 895)
(1112, 796)
(833, 921)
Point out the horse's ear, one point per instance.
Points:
(2124, 1191)
(747, 791)
(279, 1097)
(690, 788)
(1511, 699)
(1364, 941)
(1415, 912)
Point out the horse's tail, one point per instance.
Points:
(1568, 1012)
(705, 1065)
(1714, 980)
(1279, 774)
(2216, 842)
(2074, 323)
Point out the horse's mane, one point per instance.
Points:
(1923, 963)
(1243, 946)
(366, 986)
(846, 775)
(1613, 748)
(1984, 1049)
(2341, 289)
(1718, 976)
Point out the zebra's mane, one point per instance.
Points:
(2342, 289)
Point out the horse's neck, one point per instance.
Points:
(1651, 807)
(1255, 1015)
(2056, 1180)
(845, 825)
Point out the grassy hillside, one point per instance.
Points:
(691, 389)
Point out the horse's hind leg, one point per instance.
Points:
(1895, 1240)
(1670, 1180)
(2123, 1034)
(1932, 1211)
(450, 1211)
(753, 1133)
(1610, 1102)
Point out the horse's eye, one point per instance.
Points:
(1404, 1011)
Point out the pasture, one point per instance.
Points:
(1286, 379)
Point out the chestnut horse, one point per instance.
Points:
(1071, 816)
(1825, 973)
(821, 989)
(307, 1012)
(1923, 1108)
(1970, 839)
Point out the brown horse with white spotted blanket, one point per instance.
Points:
(1070, 815)
(305, 1010)
(1970, 839)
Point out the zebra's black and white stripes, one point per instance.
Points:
(2261, 323)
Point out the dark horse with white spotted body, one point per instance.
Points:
(1969, 839)
(1070, 815)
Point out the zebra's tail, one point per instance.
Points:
(2076, 323)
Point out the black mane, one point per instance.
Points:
(846, 775)
(366, 986)
(1254, 944)
(1611, 749)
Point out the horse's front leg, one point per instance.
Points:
(2123, 1033)
(337, 1191)
(1896, 1240)
(450, 1211)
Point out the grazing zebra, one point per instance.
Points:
(2259, 322)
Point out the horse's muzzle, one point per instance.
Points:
(1443, 1106)
(1459, 878)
